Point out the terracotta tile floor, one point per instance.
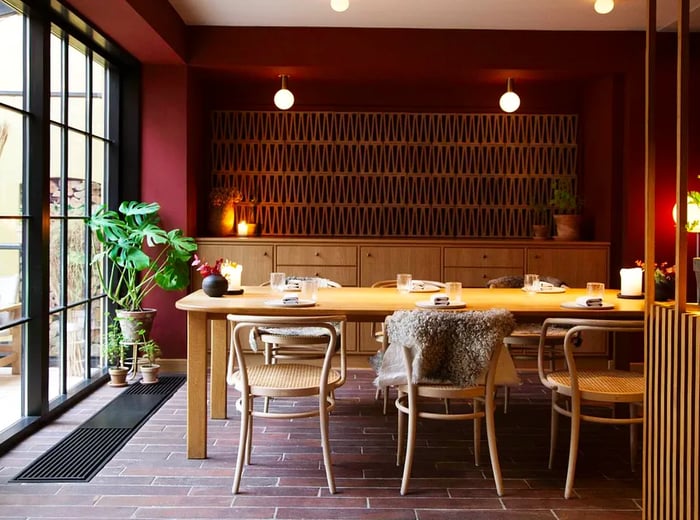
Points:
(151, 477)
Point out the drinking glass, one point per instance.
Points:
(309, 290)
(453, 290)
(531, 282)
(403, 282)
(595, 290)
(277, 281)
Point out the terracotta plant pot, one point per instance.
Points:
(117, 376)
(136, 325)
(568, 227)
(540, 232)
(149, 374)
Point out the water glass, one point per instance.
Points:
(277, 281)
(403, 282)
(531, 282)
(453, 290)
(309, 290)
(595, 290)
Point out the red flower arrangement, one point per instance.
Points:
(204, 268)
(662, 272)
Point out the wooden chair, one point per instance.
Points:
(284, 380)
(522, 344)
(378, 335)
(571, 387)
(444, 356)
(10, 311)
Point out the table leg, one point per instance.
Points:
(196, 385)
(218, 369)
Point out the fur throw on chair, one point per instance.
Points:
(448, 347)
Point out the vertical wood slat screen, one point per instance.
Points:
(393, 174)
(672, 425)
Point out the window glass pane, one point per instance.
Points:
(99, 149)
(55, 168)
(76, 260)
(76, 171)
(99, 79)
(76, 345)
(55, 264)
(11, 146)
(11, 60)
(77, 86)
(55, 355)
(57, 76)
(98, 330)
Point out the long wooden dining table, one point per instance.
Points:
(358, 304)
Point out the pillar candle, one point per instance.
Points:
(631, 281)
(243, 228)
(232, 273)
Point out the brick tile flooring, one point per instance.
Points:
(152, 478)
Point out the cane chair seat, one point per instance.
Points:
(285, 379)
(602, 385)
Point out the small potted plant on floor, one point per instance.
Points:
(114, 354)
(566, 208)
(149, 369)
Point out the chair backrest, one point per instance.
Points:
(392, 283)
(322, 282)
(575, 326)
(517, 281)
(447, 346)
(242, 324)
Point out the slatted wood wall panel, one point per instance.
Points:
(392, 174)
(672, 427)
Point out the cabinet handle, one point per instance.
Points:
(369, 255)
(484, 276)
(485, 257)
(265, 253)
(317, 253)
(537, 257)
(317, 275)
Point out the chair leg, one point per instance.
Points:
(385, 391)
(411, 442)
(477, 432)
(325, 444)
(493, 448)
(573, 447)
(553, 431)
(401, 432)
(243, 444)
(634, 438)
(506, 398)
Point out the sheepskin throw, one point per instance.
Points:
(453, 347)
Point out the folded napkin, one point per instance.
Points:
(290, 299)
(440, 299)
(546, 286)
(417, 285)
(585, 301)
(293, 285)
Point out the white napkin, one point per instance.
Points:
(417, 285)
(440, 299)
(546, 286)
(290, 299)
(293, 285)
(585, 301)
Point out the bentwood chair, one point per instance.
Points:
(595, 388)
(309, 387)
(378, 335)
(10, 337)
(522, 343)
(445, 355)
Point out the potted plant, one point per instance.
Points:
(214, 284)
(540, 221)
(221, 210)
(135, 256)
(149, 369)
(113, 350)
(566, 208)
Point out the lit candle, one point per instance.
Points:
(243, 228)
(232, 272)
(631, 281)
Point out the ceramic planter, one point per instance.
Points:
(117, 376)
(214, 285)
(149, 374)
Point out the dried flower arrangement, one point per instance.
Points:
(222, 196)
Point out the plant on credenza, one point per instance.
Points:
(566, 210)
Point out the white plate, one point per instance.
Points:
(574, 305)
(300, 303)
(427, 304)
(553, 290)
(427, 288)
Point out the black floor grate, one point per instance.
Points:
(79, 456)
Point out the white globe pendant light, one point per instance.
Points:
(510, 101)
(340, 6)
(284, 99)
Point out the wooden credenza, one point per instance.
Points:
(361, 262)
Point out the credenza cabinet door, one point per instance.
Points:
(335, 262)
(474, 266)
(575, 266)
(256, 260)
(384, 262)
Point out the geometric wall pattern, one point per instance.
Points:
(392, 174)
